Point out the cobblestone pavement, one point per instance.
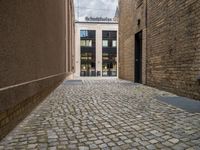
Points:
(106, 114)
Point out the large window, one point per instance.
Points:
(88, 52)
(109, 54)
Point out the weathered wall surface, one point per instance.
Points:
(126, 36)
(171, 42)
(32, 55)
(174, 46)
(128, 27)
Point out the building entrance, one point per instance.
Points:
(109, 68)
(138, 57)
(88, 66)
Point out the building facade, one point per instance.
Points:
(96, 49)
(159, 44)
(36, 44)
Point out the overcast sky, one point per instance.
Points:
(95, 8)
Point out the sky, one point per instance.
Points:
(95, 8)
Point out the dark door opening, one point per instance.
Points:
(138, 57)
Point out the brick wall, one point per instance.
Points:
(172, 43)
(126, 36)
(173, 46)
(128, 27)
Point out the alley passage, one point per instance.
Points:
(105, 114)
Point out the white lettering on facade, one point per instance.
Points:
(99, 19)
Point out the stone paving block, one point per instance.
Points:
(103, 146)
(150, 147)
(174, 141)
(98, 142)
(153, 141)
(72, 147)
(93, 146)
(52, 148)
(83, 148)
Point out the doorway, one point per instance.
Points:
(138, 57)
(109, 68)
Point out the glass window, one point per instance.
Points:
(109, 34)
(84, 33)
(82, 42)
(114, 43)
(88, 43)
(106, 34)
(87, 33)
(105, 43)
(113, 34)
(105, 54)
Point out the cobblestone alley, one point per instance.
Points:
(105, 114)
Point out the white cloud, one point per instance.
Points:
(95, 8)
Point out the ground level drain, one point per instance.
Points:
(186, 104)
(73, 82)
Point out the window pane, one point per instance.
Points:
(89, 43)
(114, 43)
(113, 34)
(84, 33)
(105, 43)
(82, 42)
(105, 54)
